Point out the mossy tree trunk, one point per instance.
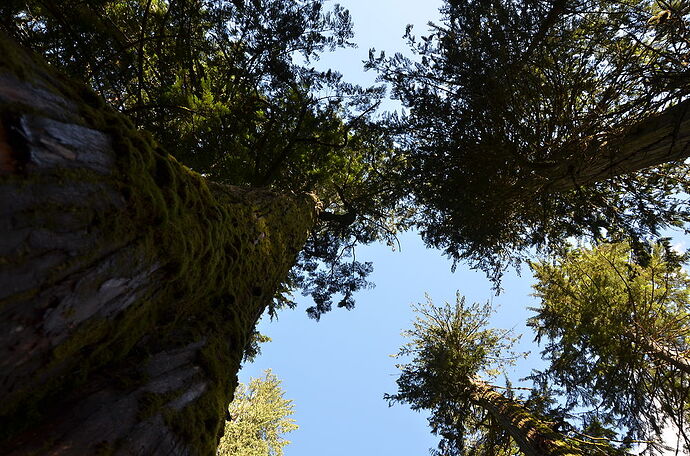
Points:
(129, 285)
(533, 436)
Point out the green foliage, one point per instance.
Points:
(228, 88)
(253, 348)
(451, 347)
(258, 418)
(510, 103)
(618, 335)
(453, 354)
(214, 81)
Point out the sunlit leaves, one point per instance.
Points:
(258, 418)
(617, 327)
(450, 347)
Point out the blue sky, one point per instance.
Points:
(338, 369)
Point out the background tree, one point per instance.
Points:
(618, 335)
(524, 119)
(453, 356)
(258, 418)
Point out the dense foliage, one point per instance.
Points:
(606, 391)
(506, 105)
(484, 168)
(258, 418)
(509, 102)
(229, 88)
(618, 336)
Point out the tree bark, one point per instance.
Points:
(532, 435)
(129, 285)
(661, 353)
(659, 139)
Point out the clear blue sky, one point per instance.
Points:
(338, 369)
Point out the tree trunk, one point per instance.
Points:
(654, 141)
(661, 353)
(129, 285)
(532, 435)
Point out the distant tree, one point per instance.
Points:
(617, 331)
(526, 120)
(258, 417)
(453, 355)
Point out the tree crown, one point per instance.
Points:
(450, 348)
(259, 416)
(617, 334)
(515, 116)
(229, 89)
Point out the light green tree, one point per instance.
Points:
(617, 329)
(453, 355)
(259, 417)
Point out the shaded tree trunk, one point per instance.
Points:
(532, 435)
(129, 285)
(654, 141)
(662, 354)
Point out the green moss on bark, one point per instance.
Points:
(533, 436)
(223, 252)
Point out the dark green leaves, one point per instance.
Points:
(513, 113)
(229, 89)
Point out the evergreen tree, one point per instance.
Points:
(617, 334)
(454, 355)
(258, 417)
(526, 120)
(130, 285)
(229, 89)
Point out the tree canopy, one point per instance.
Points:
(618, 336)
(483, 168)
(453, 356)
(229, 89)
(517, 114)
(450, 346)
(618, 351)
(486, 169)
